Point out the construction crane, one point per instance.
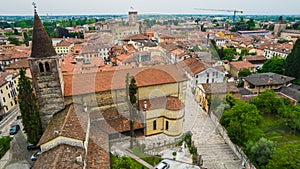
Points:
(222, 10)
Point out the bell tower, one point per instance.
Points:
(46, 74)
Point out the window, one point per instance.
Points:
(196, 81)
(207, 80)
(11, 103)
(213, 80)
(196, 76)
(6, 108)
(4, 100)
(154, 125)
(1, 91)
(217, 73)
(207, 74)
(167, 125)
(8, 95)
(41, 66)
(213, 73)
(47, 67)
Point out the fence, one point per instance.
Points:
(236, 149)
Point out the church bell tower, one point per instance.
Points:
(46, 74)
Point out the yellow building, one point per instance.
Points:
(63, 47)
(8, 91)
(161, 103)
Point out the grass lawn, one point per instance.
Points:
(152, 160)
(113, 159)
(279, 132)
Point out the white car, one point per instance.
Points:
(162, 165)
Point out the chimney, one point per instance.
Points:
(270, 80)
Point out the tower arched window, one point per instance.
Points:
(47, 66)
(41, 67)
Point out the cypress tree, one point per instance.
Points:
(29, 110)
(292, 62)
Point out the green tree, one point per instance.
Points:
(29, 110)
(285, 157)
(14, 40)
(267, 103)
(260, 152)
(292, 61)
(275, 65)
(291, 116)
(242, 122)
(124, 162)
(251, 24)
(244, 73)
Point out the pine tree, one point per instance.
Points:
(29, 110)
(292, 61)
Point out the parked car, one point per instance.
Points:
(162, 165)
(14, 129)
(31, 147)
(35, 155)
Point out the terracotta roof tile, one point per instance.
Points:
(239, 65)
(22, 63)
(193, 65)
(3, 75)
(71, 123)
(110, 80)
(61, 156)
(169, 103)
(118, 122)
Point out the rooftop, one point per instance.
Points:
(268, 79)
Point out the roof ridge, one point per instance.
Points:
(66, 119)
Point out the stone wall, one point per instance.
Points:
(48, 88)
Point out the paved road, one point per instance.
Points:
(9, 120)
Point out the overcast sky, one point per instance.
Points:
(58, 7)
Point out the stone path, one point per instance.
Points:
(216, 154)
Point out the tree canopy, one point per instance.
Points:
(292, 61)
(286, 157)
(260, 152)
(124, 162)
(244, 73)
(275, 65)
(29, 110)
(242, 123)
(267, 103)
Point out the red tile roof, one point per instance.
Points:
(71, 123)
(193, 65)
(169, 103)
(61, 156)
(239, 65)
(22, 63)
(110, 80)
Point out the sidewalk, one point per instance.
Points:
(4, 159)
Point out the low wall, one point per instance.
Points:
(236, 149)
